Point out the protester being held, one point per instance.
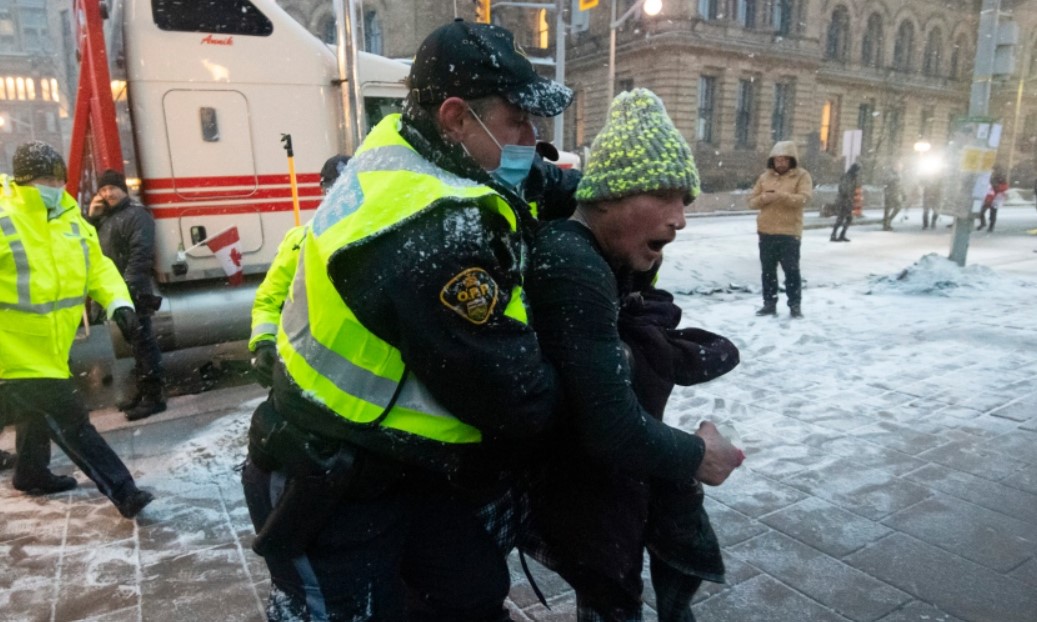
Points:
(611, 454)
(994, 198)
(849, 196)
(56, 258)
(781, 194)
(273, 290)
(381, 475)
(893, 195)
(126, 231)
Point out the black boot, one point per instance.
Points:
(45, 485)
(130, 402)
(152, 400)
(6, 460)
(768, 308)
(795, 311)
(134, 503)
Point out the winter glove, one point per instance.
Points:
(263, 362)
(699, 355)
(126, 319)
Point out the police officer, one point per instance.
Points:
(409, 383)
(55, 261)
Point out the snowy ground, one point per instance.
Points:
(891, 471)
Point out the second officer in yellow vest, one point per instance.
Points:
(410, 377)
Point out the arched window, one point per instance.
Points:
(838, 34)
(959, 54)
(904, 46)
(781, 16)
(372, 32)
(871, 45)
(933, 52)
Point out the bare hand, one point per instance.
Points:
(97, 206)
(721, 457)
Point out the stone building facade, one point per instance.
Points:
(737, 75)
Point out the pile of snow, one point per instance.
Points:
(936, 275)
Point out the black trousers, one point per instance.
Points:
(409, 554)
(47, 409)
(146, 353)
(783, 250)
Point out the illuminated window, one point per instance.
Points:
(20, 86)
(829, 123)
(543, 31)
(54, 89)
(3, 90)
(45, 89)
(11, 93)
(30, 88)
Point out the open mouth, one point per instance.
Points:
(657, 245)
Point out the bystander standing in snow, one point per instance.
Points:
(848, 203)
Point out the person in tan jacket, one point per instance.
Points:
(780, 194)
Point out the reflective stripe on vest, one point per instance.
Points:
(23, 274)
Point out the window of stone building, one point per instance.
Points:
(709, 9)
(904, 46)
(781, 120)
(745, 13)
(745, 114)
(707, 108)
(542, 31)
(373, 39)
(925, 123)
(837, 43)
(33, 22)
(866, 124)
(780, 13)
(326, 29)
(8, 38)
(933, 52)
(894, 128)
(871, 44)
(829, 124)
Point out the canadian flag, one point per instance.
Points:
(225, 246)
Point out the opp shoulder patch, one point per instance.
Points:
(472, 294)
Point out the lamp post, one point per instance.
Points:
(651, 8)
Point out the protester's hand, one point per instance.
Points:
(721, 457)
(97, 206)
(263, 362)
(126, 319)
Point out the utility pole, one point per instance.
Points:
(979, 106)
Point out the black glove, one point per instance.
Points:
(263, 360)
(129, 325)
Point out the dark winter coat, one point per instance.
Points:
(127, 235)
(849, 187)
(592, 503)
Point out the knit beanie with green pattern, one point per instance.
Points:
(637, 152)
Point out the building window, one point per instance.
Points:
(626, 84)
(903, 47)
(781, 16)
(707, 108)
(837, 44)
(709, 9)
(34, 29)
(8, 38)
(745, 13)
(745, 113)
(894, 126)
(326, 30)
(931, 58)
(373, 41)
(829, 124)
(866, 123)
(925, 125)
(780, 116)
(871, 45)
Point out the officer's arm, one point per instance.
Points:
(103, 282)
(273, 291)
(443, 289)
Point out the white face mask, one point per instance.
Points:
(515, 160)
(51, 196)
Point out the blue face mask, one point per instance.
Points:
(515, 160)
(51, 196)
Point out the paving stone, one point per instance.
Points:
(962, 588)
(730, 525)
(80, 601)
(871, 493)
(826, 527)
(1024, 479)
(830, 582)
(991, 495)
(753, 494)
(176, 602)
(984, 536)
(973, 457)
(1026, 572)
(916, 611)
(871, 455)
(762, 599)
(902, 438)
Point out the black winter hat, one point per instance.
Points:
(332, 168)
(470, 61)
(112, 177)
(37, 159)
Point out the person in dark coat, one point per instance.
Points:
(127, 234)
(591, 504)
(893, 193)
(849, 190)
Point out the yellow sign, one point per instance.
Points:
(977, 159)
(586, 5)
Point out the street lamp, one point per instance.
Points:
(651, 8)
